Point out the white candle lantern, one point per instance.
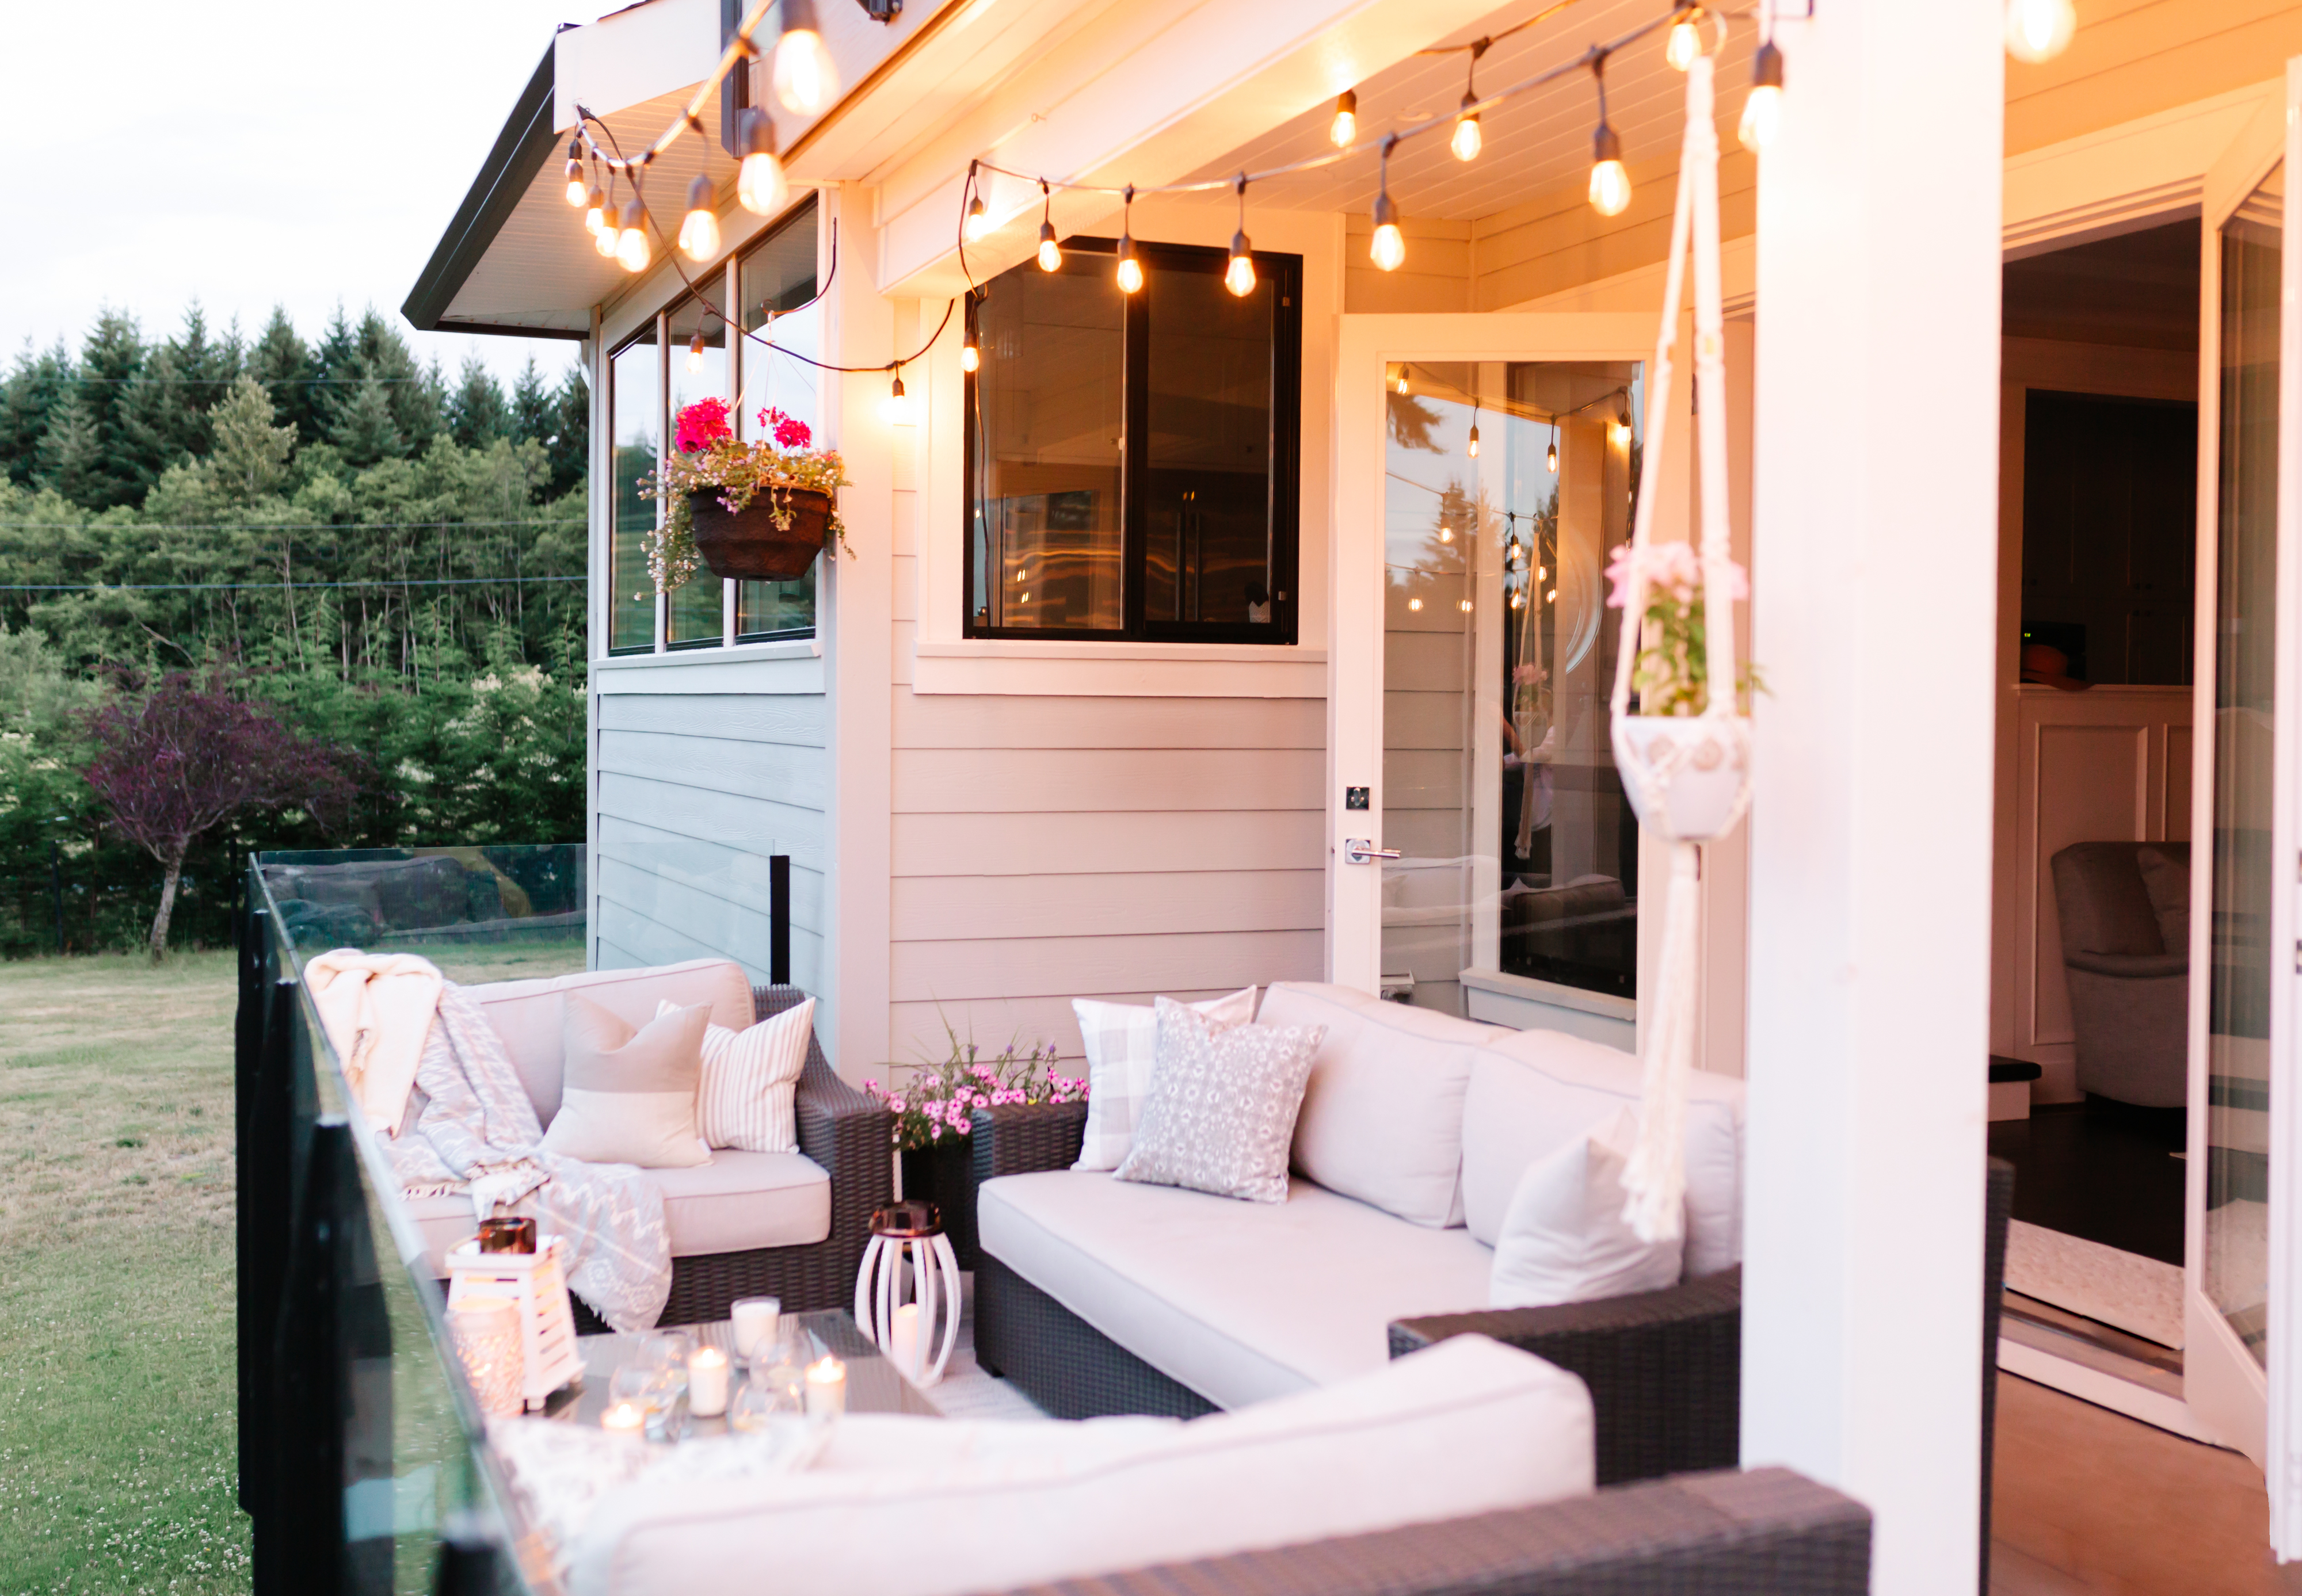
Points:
(910, 1234)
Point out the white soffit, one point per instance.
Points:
(630, 56)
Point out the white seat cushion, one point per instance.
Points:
(526, 1014)
(1534, 1092)
(1383, 1118)
(900, 1506)
(735, 1203)
(1241, 1302)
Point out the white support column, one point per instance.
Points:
(1876, 525)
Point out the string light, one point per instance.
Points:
(699, 230)
(632, 251)
(578, 186)
(2040, 30)
(593, 206)
(979, 219)
(1519, 601)
(1239, 275)
(1472, 447)
(695, 354)
(1466, 606)
(1467, 140)
(895, 409)
(1763, 109)
(1051, 258)
(1414, 603)
(970, 356)
(1344, 130)
(1131, 270)
(761, 186)
(1550, 460)
(1610, 184)
(1552, 597)
(1388, 248)
(1686, 41)
(611, 226)
(806, 80)
(1402, 379)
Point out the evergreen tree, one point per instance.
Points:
(477, 414)
(109, 362)
(280, 361)
(364, 428)
(31, 392)
(157, 423)
(568, 444)
(336, 362)
(250, 457)
(69, 459)
(206, 368)
(531, 405)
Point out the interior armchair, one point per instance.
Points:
(2125, 910)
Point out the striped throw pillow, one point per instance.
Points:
(750, 1076)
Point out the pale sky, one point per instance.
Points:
(247, 152)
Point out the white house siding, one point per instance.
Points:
(1046, 848)
(704, 770)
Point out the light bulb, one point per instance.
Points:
(895, 409)
(2040, 30)
(1684, 44)
(979, 219)
(1446, 534)
(805, 79)
(579, 191)
(695, 353)
(1466, 606)
(1344, 128)
(1402, 380)
(1131, 270)
(699, 230)
(1764, 107)
(594, 216)
(1239, 275)
(1519, 601)
(1610, 185)
(1465, 142)
(1023, 599)
(1414, 603)
(1472, 449)
(969, 358)
(1051, 258)
(1551, 459)
(1389, 249)
(1542, 572)
(761, 186)
(610, 232)
(632, 246)
(1552, 597)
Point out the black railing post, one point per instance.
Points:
(264, 1197)
(779, 919)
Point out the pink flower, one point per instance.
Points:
(934, 1132)
(963, 1126)
(896, 1104)
(1673, 570)
(789, 432)
(702, 423)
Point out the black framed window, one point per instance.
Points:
(1134, 459)
(635, 432)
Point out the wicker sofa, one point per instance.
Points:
(792, 1225)
(1663, 1367)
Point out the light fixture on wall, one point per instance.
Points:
(699, 230)
(804, 76)
(895, 409)
(1239, 275)
(1466, 138)
(578, 188)
(632, 252)
(1763, 108)
(1051, 258)
(1610, 184)
(1131, 270)
(2040, 30)
(1388, 248)
(1345, 126)
(761, 185)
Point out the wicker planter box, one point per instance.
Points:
(746, 545)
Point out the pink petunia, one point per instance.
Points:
(896, 1104)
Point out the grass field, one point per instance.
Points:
(117, 1436)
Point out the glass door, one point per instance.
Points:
(2245, 959)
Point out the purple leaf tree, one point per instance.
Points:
(186, 755)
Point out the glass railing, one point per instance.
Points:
(363, 1463)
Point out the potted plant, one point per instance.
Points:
(934, 1111)
(1684, 761)
(754, 511)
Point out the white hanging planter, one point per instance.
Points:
(1687, 776)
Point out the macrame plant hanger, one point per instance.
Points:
(1688, 777)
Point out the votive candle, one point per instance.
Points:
(625, 1418)
(827, 1387)
(707, 1383)
(904, 1333)
(757, 1320)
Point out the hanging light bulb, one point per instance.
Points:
(1345, 126)
(578, 186)
(1550, 460)
(805, 78)
(1414, 603)
(1402, 379)
(1472, 447)
(611, 229)
(895, 409)
(761, 185)
(1465, 142)
(979, 219)
(2040, 30)
(1686, 41)
(1051, 256)
(1131, 270)
(1519, 601)
(1388, 248)
(1552, 597)
(1763, 109)
(1466, 606)
(632, 251)
(970, 356)
(594, 209)
(1239, 275)
(695, 353)
(699, 230)
(1610, 185)
(1446, 534)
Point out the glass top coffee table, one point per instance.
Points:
(873, 1384)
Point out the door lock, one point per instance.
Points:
(1359, 849)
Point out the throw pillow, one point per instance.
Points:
(629, 1096)
(749, 1078)
(1220, 1115)
(1563, 1236)
(1122, 1039)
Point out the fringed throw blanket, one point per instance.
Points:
(470, 1130)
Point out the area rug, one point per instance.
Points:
(2124, 1291)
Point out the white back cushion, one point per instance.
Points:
(913, 1507)
(1383, 1118)
(1535, 1091)
(527, 1015)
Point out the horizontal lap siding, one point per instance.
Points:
(1047, 849)
(695, 792)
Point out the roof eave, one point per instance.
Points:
(520, 152)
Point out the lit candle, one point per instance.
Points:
(757, 1319)
(905, 1337)
(625, 1418)
(707, 1383)
(827, 1387)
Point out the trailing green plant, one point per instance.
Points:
(1671, 674)
(707, 454)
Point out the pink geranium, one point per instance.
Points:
(788, 431)
(702, 425)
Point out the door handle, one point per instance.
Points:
(1359, 849)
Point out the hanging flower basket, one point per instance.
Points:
(748, 545)
(1688, 776)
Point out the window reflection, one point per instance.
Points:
(1207, 497)
(775, 286)
(635, 421)
(693, 616)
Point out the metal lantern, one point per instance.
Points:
(909, 1263)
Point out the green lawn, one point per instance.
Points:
(117, 1437)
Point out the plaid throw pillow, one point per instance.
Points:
(750, 1076)
(1221, 1114)
(1122, 1040)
